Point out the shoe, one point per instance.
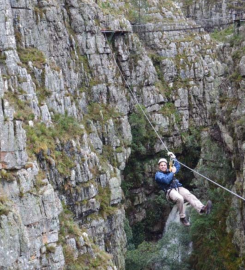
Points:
(207, 208)
(185, 222)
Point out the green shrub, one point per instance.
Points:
(222, 35)
(129, 235)
(50, 249)
(42, 139)
(157, 208)
(42, 94)
(23, 110)
(31, 54)
(7, 175)
(4, 210)
(2, 57)
(210, 238)
(104, 197)
(139, 258)
(165, 253)
(142, 147)
(68, 227)
(235, 77)
(102, 112)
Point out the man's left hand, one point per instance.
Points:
(171, 154)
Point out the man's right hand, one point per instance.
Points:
(173, 169)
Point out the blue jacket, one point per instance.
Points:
(165, 179)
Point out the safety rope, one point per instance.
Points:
(164, 145)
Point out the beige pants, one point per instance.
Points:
(182, 194)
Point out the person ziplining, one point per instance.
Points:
(162, 170)
(175, 191)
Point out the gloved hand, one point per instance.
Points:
(171, 154)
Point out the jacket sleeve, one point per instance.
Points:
(164, 178)
(177, 165)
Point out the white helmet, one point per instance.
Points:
(162, 160)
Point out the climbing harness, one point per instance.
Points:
(174, 183)
(159, 137)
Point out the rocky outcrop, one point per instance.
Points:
(230, 114)
(29, 210)
(54, 60)
(214, 15)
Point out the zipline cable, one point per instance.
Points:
(135, 98)
(240, 197)
(164, 145)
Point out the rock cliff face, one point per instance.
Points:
(67, 130)
(188, 75)
(227, 118)
(55, 61)
(213, 14)
(230, 115)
